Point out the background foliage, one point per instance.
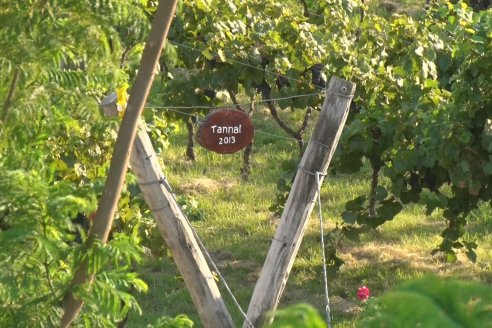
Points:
(420, 117)
(420, 121)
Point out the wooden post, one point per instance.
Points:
(119, 160)
(174, 227)
(301, 200)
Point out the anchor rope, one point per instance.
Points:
(217, 271)
(325, 276)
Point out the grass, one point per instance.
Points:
(237, 229)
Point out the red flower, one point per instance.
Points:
(363, 293)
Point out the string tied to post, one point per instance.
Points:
(148, 183)
(219, 274)
(316, 173)
(318, 176)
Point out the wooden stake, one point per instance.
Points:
(174, 228)
(119, 161)
(301, 201)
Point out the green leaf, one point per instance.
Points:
(140, 285)
(388, 209)
(428, 83)
(431, 302)
(380, 193)
(399, 71)
(180, 321)
(299, 316)
(12, 235)
(472, 255)
(352, 233)
(48, 247)
(356, 204)
(487, 168)
(349, 217)
(207, 54)
(451, 257)
(409, 196)
(350, 162)
(203, 5)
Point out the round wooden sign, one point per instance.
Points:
(225, 131)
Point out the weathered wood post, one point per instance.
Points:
(101, 226)
(175, 229)
(300, 202)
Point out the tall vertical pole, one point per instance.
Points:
(300, 202)
(121, 153)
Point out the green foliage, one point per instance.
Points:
(428, 301)
(180, 321)
(190, 207)
(39, 251)
(414, 117)
(297, 316)
(431, 302)
(159, 129)
(219, 49)
(37, 247)
(421, 116)
(58, 59)
(416, 120)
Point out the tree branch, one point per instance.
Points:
(374, 184)
(305, 121)
(297, 135)
(266, 95)
(124, 56)
(273, 111)
(234, 100)
(246, 168)
(252, 106)
(45, 263)
(190, 148)
(305, 7)
(10, 96)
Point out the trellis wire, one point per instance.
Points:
(239, 104)
(279, 136)
(198, 119)
(173, 108)
(247, 65)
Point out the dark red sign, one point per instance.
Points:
(225, 131)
